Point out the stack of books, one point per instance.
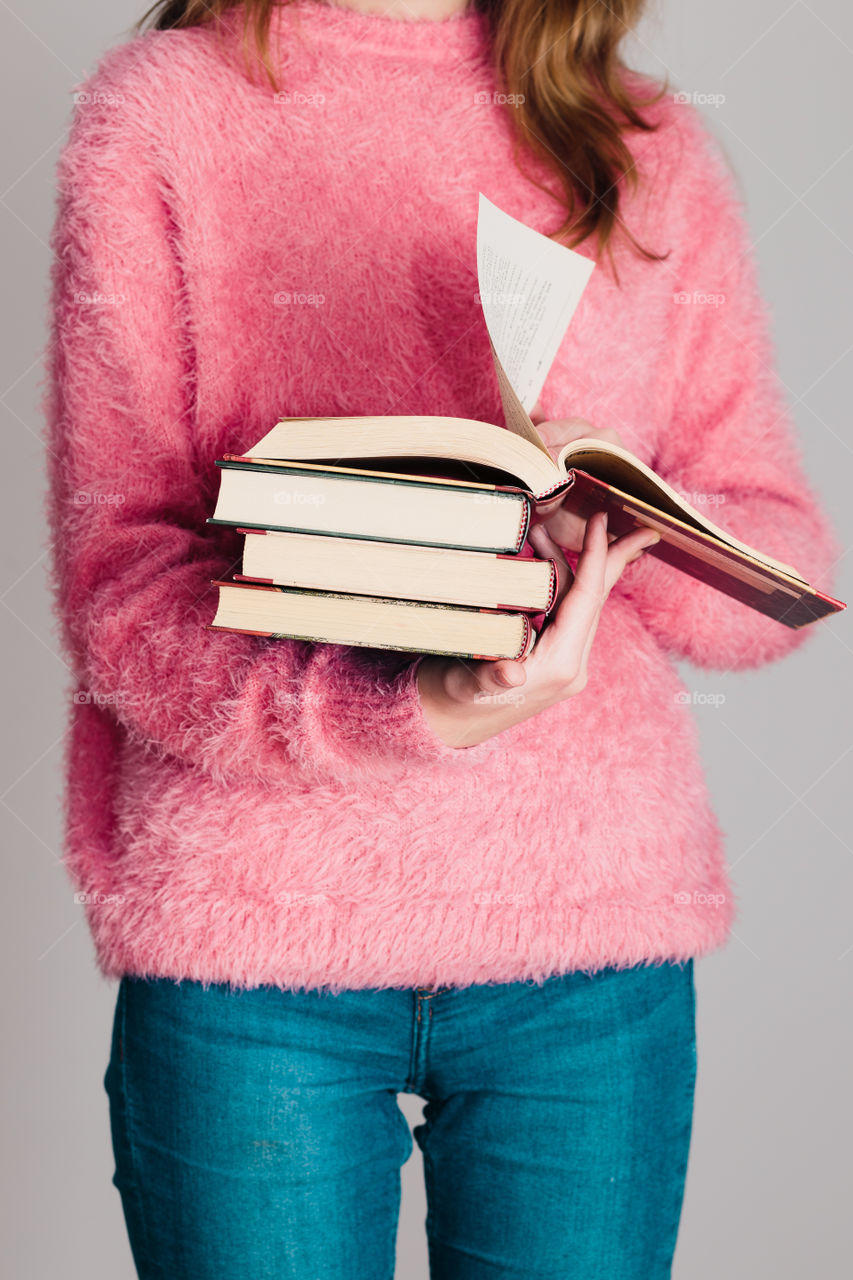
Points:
(388, 560)
(409, 533)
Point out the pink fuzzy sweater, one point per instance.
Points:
(253, 811)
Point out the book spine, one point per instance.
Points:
(526, 515)
(552, 592)
(556, 490)
(527, 639)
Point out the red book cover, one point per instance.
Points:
(769, 591)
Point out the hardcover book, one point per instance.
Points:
(398, 571)
(328, 617)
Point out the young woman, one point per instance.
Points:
(326, 876)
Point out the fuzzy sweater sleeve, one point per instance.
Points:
(133, 558)
(729, 443)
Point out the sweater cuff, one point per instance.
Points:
(427, 741)
(358, 720)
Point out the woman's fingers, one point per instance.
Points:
(544, 545)
(559, 431)
(625, 550)
(599, 565)
(592, 561)
(502, 675)
(580, 598)
(486, 679)
(584, 599)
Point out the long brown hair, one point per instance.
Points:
(560, 67)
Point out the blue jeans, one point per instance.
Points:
(257, 1133)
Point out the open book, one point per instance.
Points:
(530, 287)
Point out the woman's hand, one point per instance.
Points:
(467, 702)
(564, 526)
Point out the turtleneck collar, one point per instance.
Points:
(461, 35)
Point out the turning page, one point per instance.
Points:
(529, 287)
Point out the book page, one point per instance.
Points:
(516, 416)
(529, 289)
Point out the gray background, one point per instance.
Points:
(768, 1184)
